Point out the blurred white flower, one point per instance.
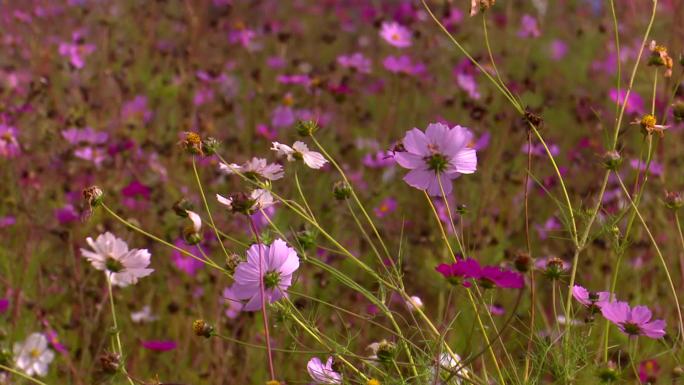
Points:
(414, 302)
(111, 255)
(255, 167)
(33, 356)
(300, 150)
(143, 315)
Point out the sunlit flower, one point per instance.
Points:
(396, 34)
(436, 157)
(323, 373)
(271, 266)
(633, 321)
(33, 356)
(300, 150)
(111, 255)
(254, 168)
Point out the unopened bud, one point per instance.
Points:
(673, 200)
(93, 196)
(612, 160)
(306, 127)
(341, 190)
(210, 145)
(110, 362)
(554, 268)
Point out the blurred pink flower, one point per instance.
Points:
(403, 65)
(184, 263)
(234, 307)
(528, 27)
(386, 207)
(159, 345)
(395, 34)
(9, 145)
(355, 61)
(635, 104)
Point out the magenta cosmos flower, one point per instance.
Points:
(396, 34)
(633, 321)
(273, 265)
(465, 270)
(436, 156)
(590, 299)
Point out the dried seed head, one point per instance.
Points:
(306, 127)
(93, 196)
(202, 329)
(192, 143)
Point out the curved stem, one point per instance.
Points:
(22, 375)
(206, 207)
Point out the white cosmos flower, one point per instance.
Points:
(143, 315)
(226, 201)
(300, 150)
(196, 220)
(255, 167)
(449, 362)
(111, 255)
(33, 356)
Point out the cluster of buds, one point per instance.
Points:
(660, 58)
(193, 143)
(202, 329)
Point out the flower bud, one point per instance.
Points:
(341, 190)
(523, 262)
(110, 362)
(678, 371)
(93, 196)
(182, 206)
(5, 357)
(612, 160)
(673, 200)
(210, 145)
(678, 110)
(554, 268)
(232, 262)
(306, 239)
(306, 127)
(461, 209)
(202, 329)
(384, 350)
(608, 374)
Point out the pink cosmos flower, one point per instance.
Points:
(66, 214)
(590, 299)
(122, 266)
(323, 374)
(396, 34)
(9, 145)
(378, 159)
(271, 265)
(4, 304)
(633, 321)
(558, 49)
(282, 116)
(648, 371)
(85, 135)
(403, 65)
(436, 157)
(635, 104)
(465, 270)
(159, 345)
(387, 206)
(528, 27)
(53, 339)
(76, 51)
(185, 263)
(356, 62)
(7, 221)
(234, 307)
(136, 110)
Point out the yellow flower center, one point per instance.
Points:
(373, 381)
(395, 36)
(35, 353)
(648, 121)
(193, 138)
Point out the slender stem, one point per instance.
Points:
(660, 256)
(441, 227)
(206, 207)
(118, 347)
(262, 293)
(451, 218)
(152, 236)
(530, 337)
(681, 252)
(22, 375)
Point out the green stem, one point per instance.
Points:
(22, 375)
(118, 347)
(206, 207)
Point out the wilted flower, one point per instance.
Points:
(649, 126)
(480, 6)
(192, 143)
(633, 321)
(33, 356)
(271, 266)
(436, 156)
(111, 255)
(202, 329)
(323, 373)
(660, 58)
(254, 169)
(395, 34)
